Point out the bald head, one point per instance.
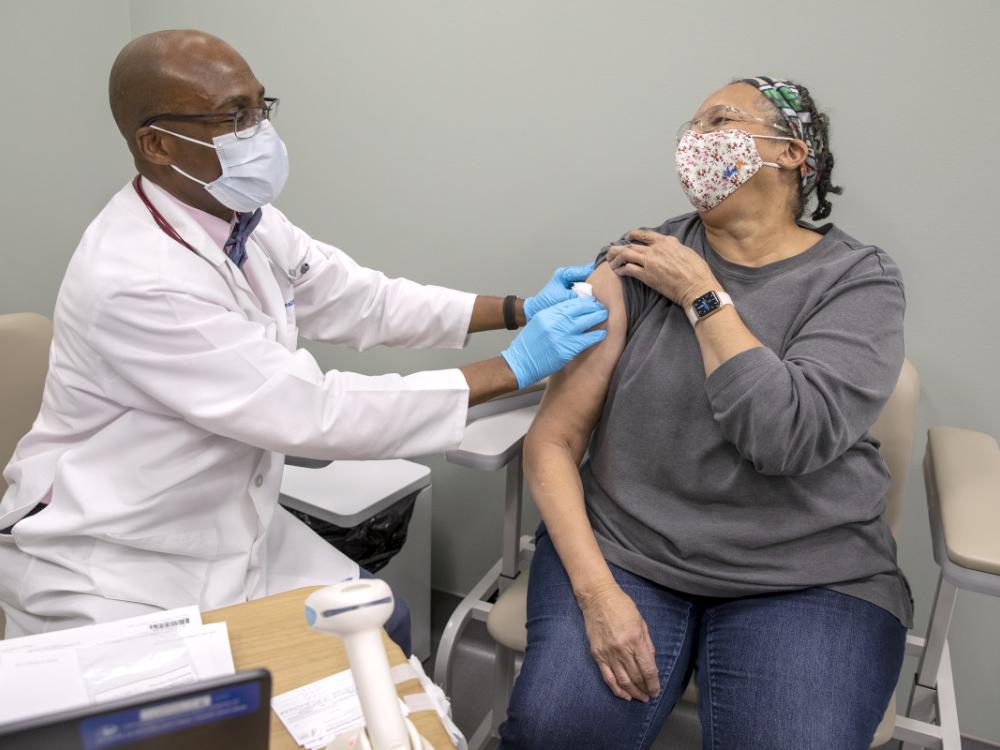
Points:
(171, 74)
(176, 71)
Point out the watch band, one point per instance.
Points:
(510, 312)
(721, 298)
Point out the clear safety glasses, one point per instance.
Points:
(246, 122)
(722, 116)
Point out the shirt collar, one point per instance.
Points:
(218, 229)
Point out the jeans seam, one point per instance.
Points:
(710, 678)
(650, 714)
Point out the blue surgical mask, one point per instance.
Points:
(254, 170)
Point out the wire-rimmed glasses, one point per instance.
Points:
(246, 121)
(721, 116)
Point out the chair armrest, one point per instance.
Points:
(529, 396)
(496, 430)
(493, 439)
(307, 463)
(962, 471)
(491, 442)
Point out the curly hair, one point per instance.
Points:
(823, 185)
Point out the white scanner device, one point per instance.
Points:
(356, 611)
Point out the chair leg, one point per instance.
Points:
(473, 606)
(513, 494)
(937, 632)
(932, 697)
(947, 709)
(481, 737)
(503, 682)
(945, 733)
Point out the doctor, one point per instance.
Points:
(175, 388)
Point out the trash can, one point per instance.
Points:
(378, 513)
(371, 543)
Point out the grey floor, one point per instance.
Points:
(471, 690)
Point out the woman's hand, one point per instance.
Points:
(664, 264)
(620, 644)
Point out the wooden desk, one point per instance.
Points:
(272, 633)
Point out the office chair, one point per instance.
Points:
(24, 349)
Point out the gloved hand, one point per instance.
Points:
(558, 289)
(554, 337)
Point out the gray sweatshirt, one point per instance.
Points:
(764, 477)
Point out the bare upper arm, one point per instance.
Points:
(575, 395)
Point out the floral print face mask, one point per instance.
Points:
(713, 165)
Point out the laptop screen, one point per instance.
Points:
(228, 712)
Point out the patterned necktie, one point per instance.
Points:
(236, 245)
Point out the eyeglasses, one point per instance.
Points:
(246, 122)
(721, 116)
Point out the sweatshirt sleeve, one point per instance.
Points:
(795, 414)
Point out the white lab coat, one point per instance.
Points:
(174, 392)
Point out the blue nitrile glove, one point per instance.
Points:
(558, 289)
(553, 337)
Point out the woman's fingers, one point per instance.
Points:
(646, 659)
(620, 644)
(627, 254)
(643, 236)
(627, 681)
(631, 269)
(612, 682)
(628, 669)
(623, 673)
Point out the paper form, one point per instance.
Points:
(316, 713)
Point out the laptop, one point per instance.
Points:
(224, 713)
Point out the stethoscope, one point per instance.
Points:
(293, 274)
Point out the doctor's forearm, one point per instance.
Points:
(488, 379)
(487, 314)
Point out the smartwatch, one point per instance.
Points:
(707, 305)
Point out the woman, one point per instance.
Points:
(729, 517)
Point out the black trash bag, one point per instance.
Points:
(374, 541)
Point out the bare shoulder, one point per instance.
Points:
(575, 395)
(607, 287)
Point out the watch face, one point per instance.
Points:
(705, 304)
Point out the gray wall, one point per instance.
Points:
(62, 155)
(478, 145)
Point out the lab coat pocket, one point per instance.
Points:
(163, 570)
(14, 565)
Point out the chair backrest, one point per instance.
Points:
(24, 353)
(894, 429)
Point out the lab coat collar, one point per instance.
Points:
(183, 222)
(193, 233)
(218, 229)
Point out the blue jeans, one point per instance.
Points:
(398, 624)
(805, 669)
